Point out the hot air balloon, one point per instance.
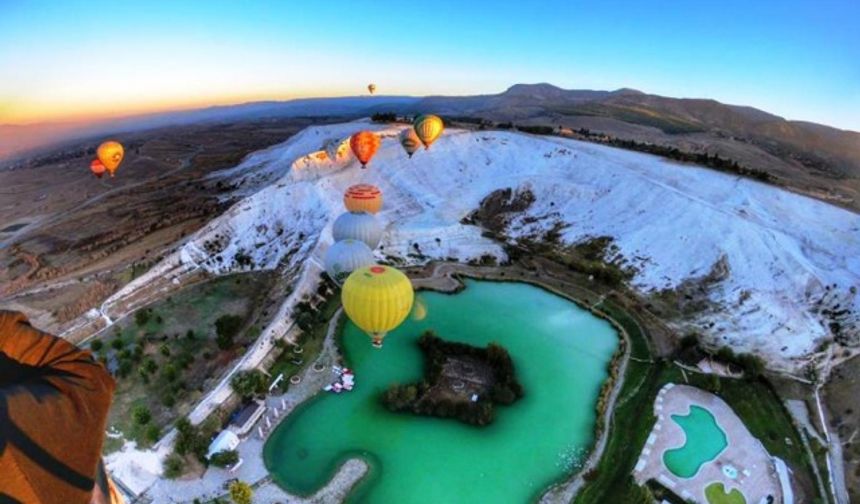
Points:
(377, 299)
(410, 141)
(419, 309)
(110, 153)
(357, 226)
(346, 256)
(363, 198)
(371, 87)
(332, 148)
(97, 168)
(364, 144)
(428, 128)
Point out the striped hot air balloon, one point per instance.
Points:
(410, 141)
(346, 256)
(428, 128)
(364, 144)
(363, 198)
(110, 153)
(97, 168)
(377, 299)
(357, 226)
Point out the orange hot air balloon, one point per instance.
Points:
(371, 87)
(110, 153)
(363, 198)
(97, 168)
(364, 144)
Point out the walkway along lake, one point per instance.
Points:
(561, 353)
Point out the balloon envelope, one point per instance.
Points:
(97, 168)
(357, 226)
(428, 128)
(110, 153)
(346, 256)
(364, 144)
(363, 198)
(371, 87)
(377, 299)
(410, 141)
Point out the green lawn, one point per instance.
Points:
(716, 494)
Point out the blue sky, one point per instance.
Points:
(75, 59)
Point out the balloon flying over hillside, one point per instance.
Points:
(110, 153)
(364, 145)
(346, 256)
(97, 168)
(363, 198)
(357, 226)
(410, 141)
(428, 128)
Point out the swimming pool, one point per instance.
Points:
(705, 440)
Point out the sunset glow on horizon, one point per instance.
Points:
(83, 61)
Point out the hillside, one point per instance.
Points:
(777, 269)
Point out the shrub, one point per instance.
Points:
(141, 317)
(224, 458)
(226, 328)
(141, 415)
(248, 383)
(241, 492)
(96, 345)
(174, 466)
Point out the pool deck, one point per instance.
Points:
(756, 471)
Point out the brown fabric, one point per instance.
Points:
(54, 401)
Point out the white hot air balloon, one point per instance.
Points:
(332, 147)
(346, 256)
(357, 226)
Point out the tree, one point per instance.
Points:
(248, 383)
(152, 433)
(96, 345)
(174, 466)
(225, 458)
(241, 492)
(226, 328)
(141, 415)
(141, 317)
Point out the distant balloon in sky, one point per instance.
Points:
(410, 141)
(363, 198)
(346, 256)
(371, 87)
(428, 128)
(357, 226)
(110, 153)
(364, 144)
(377, 299)
(97, 168)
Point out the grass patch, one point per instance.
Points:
(165, 358)
(716, 494)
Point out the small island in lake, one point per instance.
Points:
(460, 381)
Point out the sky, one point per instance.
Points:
(76, 60)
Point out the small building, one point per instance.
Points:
(226, 440)
(245, 418)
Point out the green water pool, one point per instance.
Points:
(561, 353)
(704, 442)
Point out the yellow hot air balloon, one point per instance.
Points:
(377, 299)
(419, 309)
(428, 128)
(110, 153)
